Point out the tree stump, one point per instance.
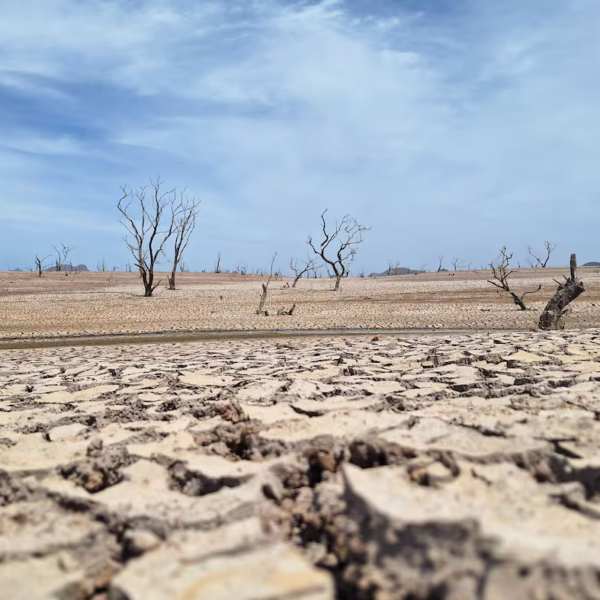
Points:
(553, 316)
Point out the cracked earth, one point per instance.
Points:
(454, 467)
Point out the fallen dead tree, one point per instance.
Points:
(554, 314)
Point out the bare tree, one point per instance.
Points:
(457, 264)
(393, 266)
(185, 223)
(440, 263)
(501, 273)
(128, 267)
(554, 314)
(151, 229)
(39, 264)
(309, 265)
(218, 263)
(540, 261)
(62, 254)
(265, 286)
(241, 269)
(101, 266)
(348, 233)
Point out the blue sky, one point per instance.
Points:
(449, 127)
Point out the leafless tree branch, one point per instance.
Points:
(39, 264)
(308, 265)
(348, 233)
(501, 272)
(185, 223)
(62, 254)
(540, 261)
(156, 221)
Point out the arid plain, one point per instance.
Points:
(113, 303)
(455, 466)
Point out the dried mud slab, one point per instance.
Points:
(448, 467)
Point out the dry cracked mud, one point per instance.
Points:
(455, 467)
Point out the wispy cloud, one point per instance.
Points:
(450, 128)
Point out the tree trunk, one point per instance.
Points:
(296, 281)
(518, 301)
(338, 278)
(263, 299)
(172, 280)
(148, 279)
(553, 316)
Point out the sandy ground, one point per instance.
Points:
(108, 303)
(448, 467)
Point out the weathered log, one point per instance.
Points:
(554, 314)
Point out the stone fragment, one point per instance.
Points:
(435, 435)
(202, 379)
(65, 397)
(345, 424)
(244, 573)
(147, 493)
(261, 390)
(37, 579)
(63, 432)
(38, 528)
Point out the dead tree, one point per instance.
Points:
(265, 287)
(101, 266)
(218, 263)
(61, 256)
(309, 265)
(540, 261)
(501, 273)
(39, 264)
(553, 316)
(440, 263)
(457, 264)
(154, 224)
(393, 266)
(185, 223)
(288, 312)
(348, 233)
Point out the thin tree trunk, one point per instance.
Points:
(338, 278)
(172, 280)
(263, 299)
(518, 301)
(553, 316)
(296, 281)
